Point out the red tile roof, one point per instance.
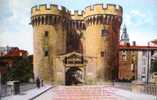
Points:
(137, 47)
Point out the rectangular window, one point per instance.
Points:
(46, 33)
(124, 57)
(102, 54)
(46, 52)
(144, 60)
(104, 32)
(145, 53)
(143, 70)
(46, 38)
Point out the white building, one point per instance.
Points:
(144, 65)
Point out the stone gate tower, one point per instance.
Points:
(50, 31)
(101, 40)
(92, 36)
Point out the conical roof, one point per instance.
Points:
(125, 36)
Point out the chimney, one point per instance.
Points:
(128, 44)
(134, 43)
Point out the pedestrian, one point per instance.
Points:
(38, 82)
(42, 83)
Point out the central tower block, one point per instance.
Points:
(101, 40)
(85, 40)
(50, 26)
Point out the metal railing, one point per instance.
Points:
(7, 90)
(123, 85)
(150, 89)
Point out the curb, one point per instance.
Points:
(41, 93)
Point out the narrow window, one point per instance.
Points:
(42, 20)
(104, 32)
(46, 52)
(102, 54)
(46, 38)
(46, 33)
(82, 59)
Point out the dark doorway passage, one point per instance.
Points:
(73, 76)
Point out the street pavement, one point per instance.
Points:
(91, 93)
(86, 92)
(28, 95)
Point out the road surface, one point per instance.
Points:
(82, 93)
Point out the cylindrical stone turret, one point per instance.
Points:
(101, 40)
(50, 32)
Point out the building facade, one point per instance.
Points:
(134, 61)
(4, 50)
(12, 51)
(91, 37)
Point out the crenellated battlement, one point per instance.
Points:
(94, 14)
(77, 15)
(97, 9)
(52, 9)
(100, 9)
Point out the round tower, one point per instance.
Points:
(50, 26)
(101, 40)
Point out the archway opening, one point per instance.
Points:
(73, 76)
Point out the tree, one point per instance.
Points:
(21, 70)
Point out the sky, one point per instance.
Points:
(139, 16)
